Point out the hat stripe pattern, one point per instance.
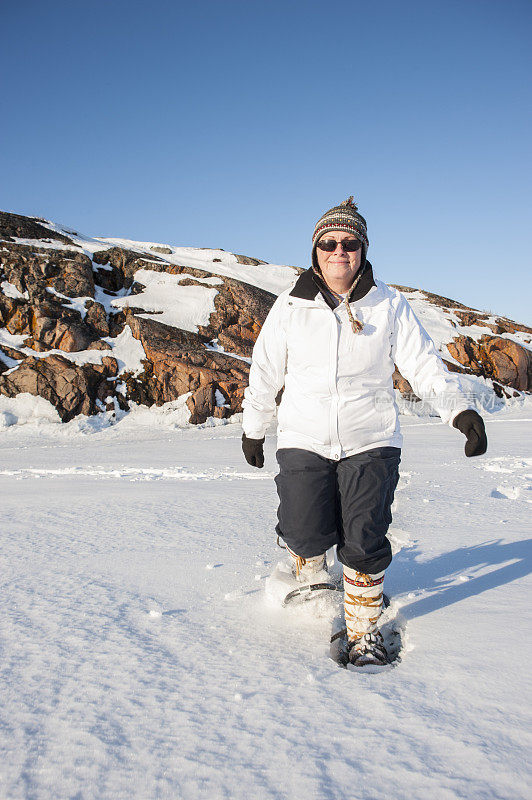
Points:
(344, 217)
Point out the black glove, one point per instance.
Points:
(253, 451)
(471, 425)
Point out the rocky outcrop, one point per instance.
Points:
(123, 264)
(504, 361)
(71, 389)
(45, 280)
(36, 270)
(240, 312)
(15, 226)
(177, 362)
(166, 251)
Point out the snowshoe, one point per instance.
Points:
(391, 637)
(368, 649)
(304, 592)
(285, 588)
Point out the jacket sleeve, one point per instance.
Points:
(417, 359)
(267, 373)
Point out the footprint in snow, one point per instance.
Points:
(510, 493)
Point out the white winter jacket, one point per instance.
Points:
(338, 396)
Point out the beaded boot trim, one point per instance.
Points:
(363, 580)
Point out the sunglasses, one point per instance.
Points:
(349, 245)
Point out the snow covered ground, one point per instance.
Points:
(141, 659)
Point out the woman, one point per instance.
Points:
(332, 342)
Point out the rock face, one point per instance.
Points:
(45, 279)
(38, 306)
(505, 362)
(59, 328)
(16, 226)
(71, 389)
(178, 363)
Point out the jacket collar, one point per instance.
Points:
(308, 286)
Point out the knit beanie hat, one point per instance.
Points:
(344, 217)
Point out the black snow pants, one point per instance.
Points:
(345, 503)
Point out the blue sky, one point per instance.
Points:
(236, 124)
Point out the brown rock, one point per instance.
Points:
(43, 326)
(253, 262)
(11, 353)
(116, 323)
(101, 257)
(8, 306)
(124, 264)
(20, 321)
(470, 317)
(96, 318)
(74, 276)
(7, 355)
(202, 404)
(177, 362)
(17, 226)
(165, 251)
(240, 313)
(111, 366)
(509, 326)
(237, 339)
(503, 360)
(71, 338)
(71, 389)
(110, 280)
(511, 362)
(452, 367)
(35, 270)
(403, 386)
(465, 350)
(51, 333)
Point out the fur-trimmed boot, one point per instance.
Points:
(363, 607)
(306, 570)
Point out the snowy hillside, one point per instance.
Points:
(98, 326)
(141, 658)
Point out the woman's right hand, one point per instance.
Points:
(253, 451)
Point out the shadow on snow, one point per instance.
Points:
(439, 575)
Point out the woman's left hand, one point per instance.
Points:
(471, 425)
